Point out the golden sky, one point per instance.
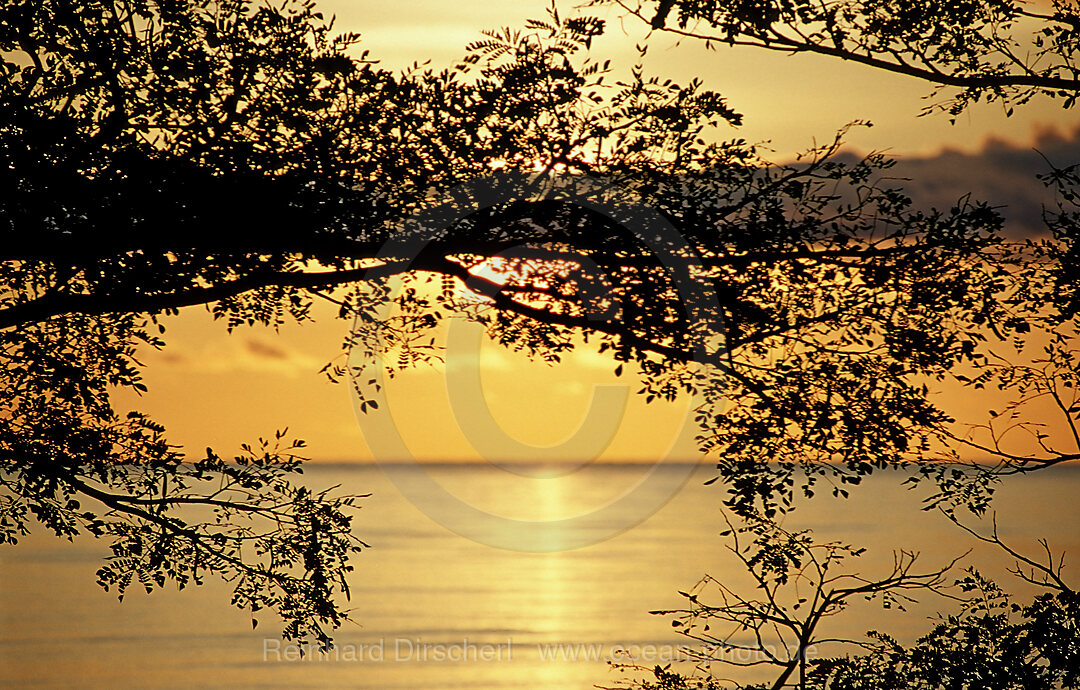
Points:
(210, 388)
(215, 389)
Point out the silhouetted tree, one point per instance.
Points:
(163, 154)
(991, 642)
(799, 583)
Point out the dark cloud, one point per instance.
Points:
(264, 349)
(170, 357)
(1001, 173)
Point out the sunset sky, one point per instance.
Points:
(552, 510)
(210, 388)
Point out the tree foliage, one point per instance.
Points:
(75, 466)
(798, 583)
(992, 50)
(233, 154)
(135, 136)
(975, 51)
(991, 642)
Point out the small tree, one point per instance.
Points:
(798, 584)
(992, 641)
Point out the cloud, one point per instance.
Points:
(1001, 173)
(238, 355)
(260, 348)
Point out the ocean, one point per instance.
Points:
(481, 576)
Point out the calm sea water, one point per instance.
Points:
(436, 609)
